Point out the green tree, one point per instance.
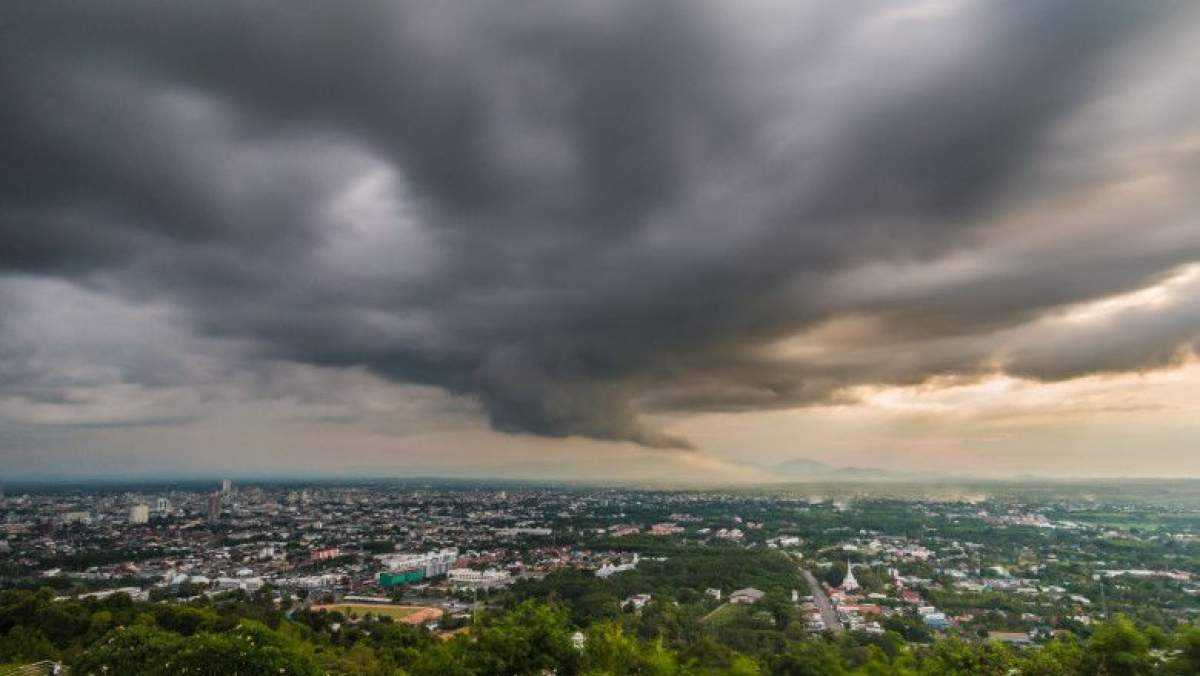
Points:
(809, 659)
(958, 658)
(531, 638)
(834, 574)
(26, 644)
(1188, 645)
(612, 652)
(1117, 648)
(134, 650)
(251, 649)
(1060, 657)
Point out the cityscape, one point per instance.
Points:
(884, 576)
(600, 338)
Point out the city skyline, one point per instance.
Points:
(609, 241)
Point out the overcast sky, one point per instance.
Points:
(632, 239)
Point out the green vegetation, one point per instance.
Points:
(247, 636)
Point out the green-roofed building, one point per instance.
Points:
(401, 577)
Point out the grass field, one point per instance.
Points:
(724, 614)
(377, 609)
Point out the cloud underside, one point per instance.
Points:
(580, 214)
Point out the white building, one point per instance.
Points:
(608, 569)
(850, 583)
(479, 579)
(139, 514)
(134, 593)
(638, 601)
(523, 531)
(310, 582)
(249, 584)
(434, 563)
(748, 595)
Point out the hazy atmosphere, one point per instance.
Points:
(600, 240)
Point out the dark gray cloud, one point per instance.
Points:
(580, 212)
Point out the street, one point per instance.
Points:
(828, 614)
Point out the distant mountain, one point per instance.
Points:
(800, 469)
(802, 466)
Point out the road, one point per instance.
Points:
(828, 614)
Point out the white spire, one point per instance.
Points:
(849, 583)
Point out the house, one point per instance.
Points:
(608, 570)
(748, 595)
(862, 609)
(937, 621)
(666, 529)
(637, 601)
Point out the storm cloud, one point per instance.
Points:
(580, 213)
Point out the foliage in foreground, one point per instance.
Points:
(248, 637)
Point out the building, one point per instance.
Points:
(431, 564)
(936, 620)
(523, 531)
(77, 517)
(325, 554)
(748, 595)
(249, 584)
(134, 593)
(850, 583)
(713, 592)
(619, 530)
(162, 505)
(226, 486)
(400, 578)
(666, 529)
(139, 514)
(479, 579)
(609, 569)
(214, 507)
(637, 601)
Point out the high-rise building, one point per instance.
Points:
(139, 514)
(432, 564)
(214, 506)
(162, 506)
(226, 486)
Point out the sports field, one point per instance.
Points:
(398, 613)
